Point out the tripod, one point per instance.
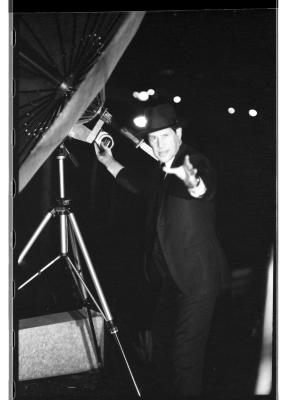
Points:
(69, 232)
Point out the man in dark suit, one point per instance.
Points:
(182, 251)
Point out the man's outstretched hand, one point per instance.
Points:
(186, 172)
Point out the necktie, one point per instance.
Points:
(156, 260)
(162, 174)
(160, 188)
(155, 204)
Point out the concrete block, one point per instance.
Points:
(59, 344)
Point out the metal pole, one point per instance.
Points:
(64, 233)
(90, 267)
(39, 272)
(127, 364)
(77, 260)
(37, 232)
(112, 328)
(86, 288)
(61, 159)
(83, 293)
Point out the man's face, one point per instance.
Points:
(165, 143)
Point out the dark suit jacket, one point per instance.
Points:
(185, 225)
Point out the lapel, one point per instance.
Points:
(156, 186)
(172, 180)
(178, 160)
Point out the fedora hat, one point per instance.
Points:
(160, 117)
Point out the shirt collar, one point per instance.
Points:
(169, 162)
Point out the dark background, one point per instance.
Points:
(214, 60)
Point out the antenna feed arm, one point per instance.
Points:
(112, 328)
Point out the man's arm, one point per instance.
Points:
(124, 176)
(106, 158)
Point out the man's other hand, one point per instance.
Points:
(103, 154)
(186, 172)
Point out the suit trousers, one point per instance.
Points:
(180, 330)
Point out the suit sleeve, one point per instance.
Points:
(133, 181)
(207, 173)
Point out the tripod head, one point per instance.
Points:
(64, 152)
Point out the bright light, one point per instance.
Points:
(177, 99)
(143, 96)
(252, 113)
(231, 110)
(140, 121)
(151, 92)
(135, 94)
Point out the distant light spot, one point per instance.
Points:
(143, 96)
(252, 112)
(140, 121)
(231, 110)
(177, 99)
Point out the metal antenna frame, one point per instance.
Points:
(69, 230)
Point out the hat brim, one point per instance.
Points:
(148, 131)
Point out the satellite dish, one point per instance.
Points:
(62, 62)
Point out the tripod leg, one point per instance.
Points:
(96, 347)
(37, 232)
(39, 272)
(112, 328)
(86, 288)
(77, 264)
(91, 269)
(84, 296)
